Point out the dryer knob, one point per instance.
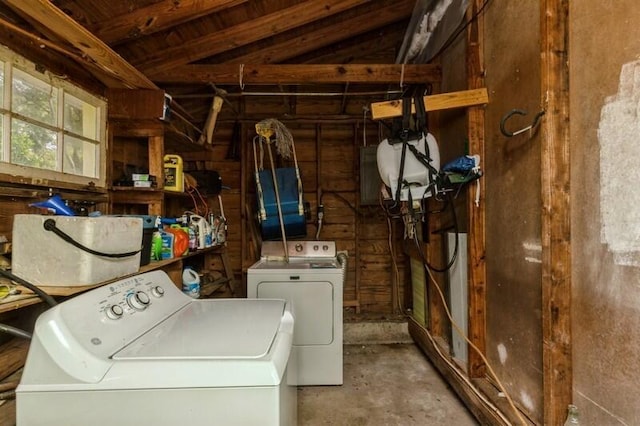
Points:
(298, 247)
(138, 300)
(114, 312)
(157, 291)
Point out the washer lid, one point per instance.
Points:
(211, 329)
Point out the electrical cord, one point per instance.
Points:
(460, 30)
(395, 264)
(14, 331)
(37, 290)
(462, 334)
(50, 225)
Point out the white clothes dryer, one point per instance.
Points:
(312, 280)
(139, 352)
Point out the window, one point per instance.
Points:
(49, 128)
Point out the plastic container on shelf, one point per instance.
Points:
(42, 257)
(173, 173)
(191, 282)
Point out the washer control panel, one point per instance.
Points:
(84, 332)
(104, 319)
(129, 296)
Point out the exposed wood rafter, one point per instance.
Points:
(47, 14)
(310, 41)
(157, 17)
(242, 34)
(300, 74)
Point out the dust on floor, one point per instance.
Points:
(391, 384)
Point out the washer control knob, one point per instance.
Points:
(315, 247)
(298, 247)
(325, 247)
(157, 291)
(138, 300)
(114, 312)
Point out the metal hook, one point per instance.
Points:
(513, 112)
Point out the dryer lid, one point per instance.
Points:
(211, 329)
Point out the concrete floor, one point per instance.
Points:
(384, 384)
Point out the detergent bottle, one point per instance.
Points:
(190, 282)
(180, 240)
(173, 173)
(202, 230)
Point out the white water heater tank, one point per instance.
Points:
(415, 173)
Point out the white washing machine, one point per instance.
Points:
(312, 280)
(139, 352)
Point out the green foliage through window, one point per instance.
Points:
(48, 124)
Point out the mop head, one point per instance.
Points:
(284, 140)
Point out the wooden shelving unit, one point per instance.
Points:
(173, 267)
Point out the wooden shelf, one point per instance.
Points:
(27, 298)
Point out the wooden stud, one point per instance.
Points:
(464, 98)
(477, 272)
(556, 215)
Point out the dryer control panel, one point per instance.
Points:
(299, 249)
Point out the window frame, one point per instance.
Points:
(34, 175)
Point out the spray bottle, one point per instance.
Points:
(202, 230)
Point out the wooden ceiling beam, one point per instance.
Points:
(295, 46)
(301, 74)
(44, 12)
(242, 34)
(156, 17)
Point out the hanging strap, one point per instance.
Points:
(263, 211)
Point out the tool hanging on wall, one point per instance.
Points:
(210, 123)
(409, 162)
(281, 208)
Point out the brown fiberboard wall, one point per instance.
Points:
(513, 200)
(604, 50)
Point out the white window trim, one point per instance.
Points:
(38, 176)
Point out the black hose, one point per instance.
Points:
(17, 332)
(37, 290)
(50, 225)
(456, 247)
(10, 394)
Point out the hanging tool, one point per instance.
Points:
(531, 127)
(210, 123)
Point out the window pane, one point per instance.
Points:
(33, 146)
(80, 117)
(80, 157)
(34, 98)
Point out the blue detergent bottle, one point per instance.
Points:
(190, 282)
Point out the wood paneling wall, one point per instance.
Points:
(328, 151)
